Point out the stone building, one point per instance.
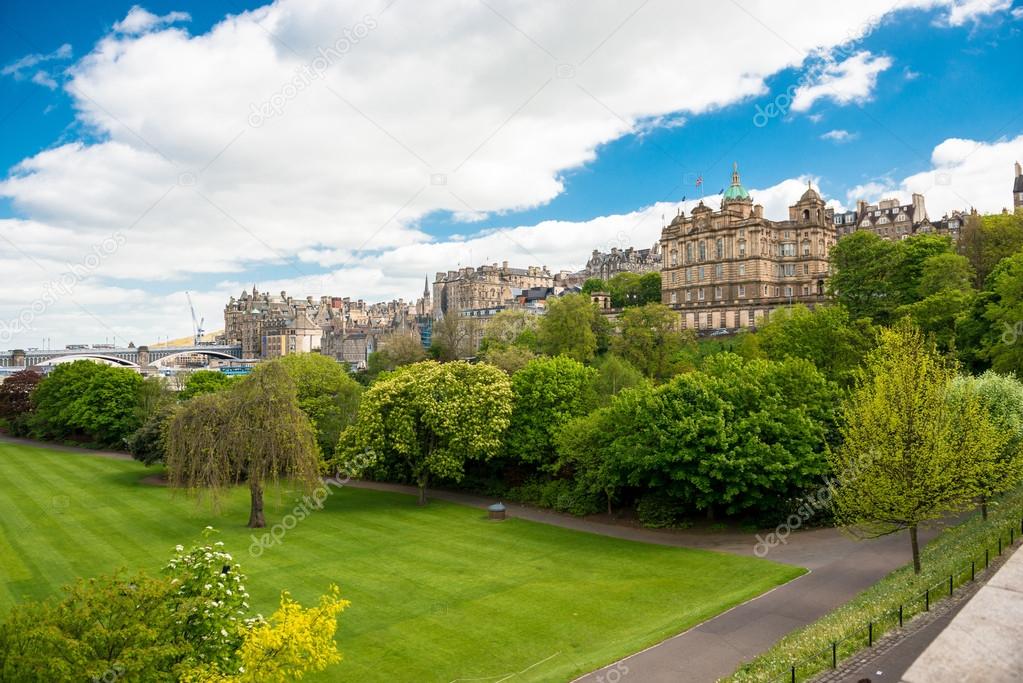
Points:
(1017, 188)
(487, 287)
(729, 268)
(894, 221)
(284, 335)
(605, 265)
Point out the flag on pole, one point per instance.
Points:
(699, 180)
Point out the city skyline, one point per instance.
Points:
(587, 148)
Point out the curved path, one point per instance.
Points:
(840, 567)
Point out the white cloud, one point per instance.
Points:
(839, 136)
(370, 119)
(851, 80)
(20, 68)
(139, 21)
(965, 11)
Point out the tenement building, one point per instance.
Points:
(893, 221)
(730, 268)
(487, 287)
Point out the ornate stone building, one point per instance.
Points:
(894, 221)
(605, 265)
(487, 287)
(729, 268)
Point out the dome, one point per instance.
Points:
(810, 194)
(735, 191)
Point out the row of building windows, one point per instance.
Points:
(701, 292)
(700, 272)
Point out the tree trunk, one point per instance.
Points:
(916, 548)
(983, 508)
(256, 519)
(422, 490)
(710, 513)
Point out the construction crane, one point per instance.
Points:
(197, 329)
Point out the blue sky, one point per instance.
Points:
(942, 73)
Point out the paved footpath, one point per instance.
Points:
(840, 567)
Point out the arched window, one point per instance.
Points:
(806, 214)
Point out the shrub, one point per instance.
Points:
(659, 511)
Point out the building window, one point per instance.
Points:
(806, 269)
(673, 277)
(717, 292)
(689, 253)
(699, 294)
(806, 247)
(719, 248)
(674, 298)
(777, 291)
(674, 257)
(788, 249)
(806, 290)
(703, 250)
(742, 269)
(742, 248)
(742, 232)
(788, 292)
(790, 269)
(742, 291)
(752, 317)
(689, 274)
(719, 271)
(689, 295)
(702, 273)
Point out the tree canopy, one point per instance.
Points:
(569, 328)
(652, 340)
(326, 393)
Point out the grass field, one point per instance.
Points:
(438, 594)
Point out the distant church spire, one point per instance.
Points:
(426, 286)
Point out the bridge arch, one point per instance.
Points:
(70, 358)
(159, 362)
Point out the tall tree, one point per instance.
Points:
(546, 394)
(326, 394)
(909, 454)
(861, 268)
(511, 327)
(255, 432)
(1004, 346)
(453, 337)
(986, 240)
(568, 328)
(396, 349)
(431, 417)
(204, 382)
(653, 341)
(16, 399)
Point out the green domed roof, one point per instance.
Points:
(735, 191)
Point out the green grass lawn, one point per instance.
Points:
(438, 593)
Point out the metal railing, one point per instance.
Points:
(866, 635)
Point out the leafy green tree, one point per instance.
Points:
(861, 268)
(568, 328)
(148, 443)
(432, 417)
(633, 289)
(653, 341)
(594, 284)
(909, 454)
(946, 271)
(912, 255)
(454, 338)
(825, 336)
(327, 394)
(511, 359)
(650, 288)
(1002, 398)
(546, 394)
(1004, 313)
(615, 374)
(395, 350)
(87, 400)
(986, 240)
(16, 400)
(940, 315)
(512, 327)
(205, 382)
(255, 432)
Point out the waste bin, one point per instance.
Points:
(497, 511)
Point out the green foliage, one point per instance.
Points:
(148, 443)
(547, 392)
(256, 432)
(562, 495)
(986, 240)
(1004, 313)
(395, 350)
(453, 337)
(660, 511)
(569, 328)
(734, 436)
(205, 382)
(825, 336)
(89, 400)
(16, 400)
(614, 374)
(861, 268)
(432, 417)
(652, 341)
(946, 271)
(594, 284)
(326, 393)
(909, 454)
(632, 289)
(510, 328)
(510, 359)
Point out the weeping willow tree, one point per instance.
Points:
(255, 433)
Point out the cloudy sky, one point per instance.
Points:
(352, 148)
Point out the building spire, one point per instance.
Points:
(735, 173)
(426, 286)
